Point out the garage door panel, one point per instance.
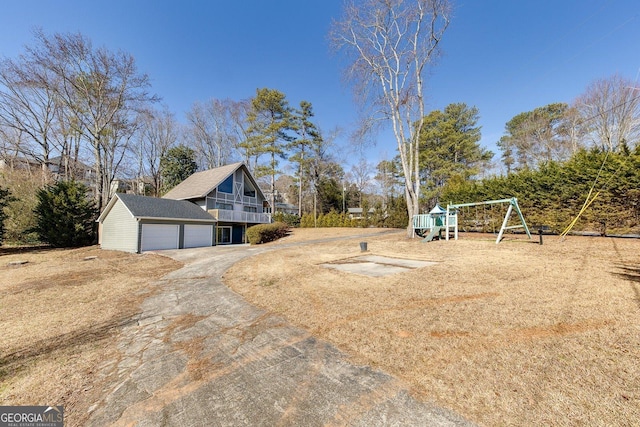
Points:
(196, 236)
(160, 236)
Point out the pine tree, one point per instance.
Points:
(306, 134)
(449, 146)
(269, 120)
(177, 165)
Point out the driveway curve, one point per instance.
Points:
(200, 355)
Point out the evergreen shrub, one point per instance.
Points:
(264, 233)
(291, 220)
(65, 215)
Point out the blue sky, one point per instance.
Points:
(504, 57)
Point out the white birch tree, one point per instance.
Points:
(391, 45)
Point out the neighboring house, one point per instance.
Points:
(356, 213)
(22, 163)
(287, 208)
(63, 167)
(59, 169)
(134, 223)
(231, 195)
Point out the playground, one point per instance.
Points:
(514, 333)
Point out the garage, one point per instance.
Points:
(196, 236)
(160, 236)
(136, 223)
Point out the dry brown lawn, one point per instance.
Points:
(60, 313)
(508, 334)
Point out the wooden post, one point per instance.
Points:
(504, 223)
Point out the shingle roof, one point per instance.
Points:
(201, 183)
(154, 207)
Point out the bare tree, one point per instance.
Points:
(388, 180)
(158, 133)
(361, 173)
(213, 132)
(101, 90)
(27, 105)
(321, 163)
(610, 111)
(390, 45)
(10, 142)
(238, 112)
(574, 129)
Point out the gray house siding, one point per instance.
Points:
(120, 231)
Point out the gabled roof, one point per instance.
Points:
(59, 160)
(202, 183)
(143, 207)
(359, 210)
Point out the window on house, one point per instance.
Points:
(225, 206)
(226, 186)
(250, 209)
(249, 189)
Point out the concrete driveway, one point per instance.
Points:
(200, 355)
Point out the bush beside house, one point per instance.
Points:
(264, 233)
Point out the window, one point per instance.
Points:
(250, 209)
(249, 190)
(226, 186)
(224, 235)
(224, 206)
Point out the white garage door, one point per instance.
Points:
(160, 236)
(196, 236)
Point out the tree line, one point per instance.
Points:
(554, 193)
(71, 111)
(64, 102)
(606, 115)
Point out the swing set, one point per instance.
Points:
(432, 224)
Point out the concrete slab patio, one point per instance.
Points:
(200, 355)
(376, 266)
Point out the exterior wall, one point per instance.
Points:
(237, 201)
(120, 231)
(201, 202)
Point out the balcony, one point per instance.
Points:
(240, 216)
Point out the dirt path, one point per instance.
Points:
(199, 354)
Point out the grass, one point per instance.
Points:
(60, 313)
(508, 334)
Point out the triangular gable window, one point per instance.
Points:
(249, 190)
(227, 185)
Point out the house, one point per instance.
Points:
(356, 213)
(287, 208)
(231, 195)
(135, 223)
(64, 167)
